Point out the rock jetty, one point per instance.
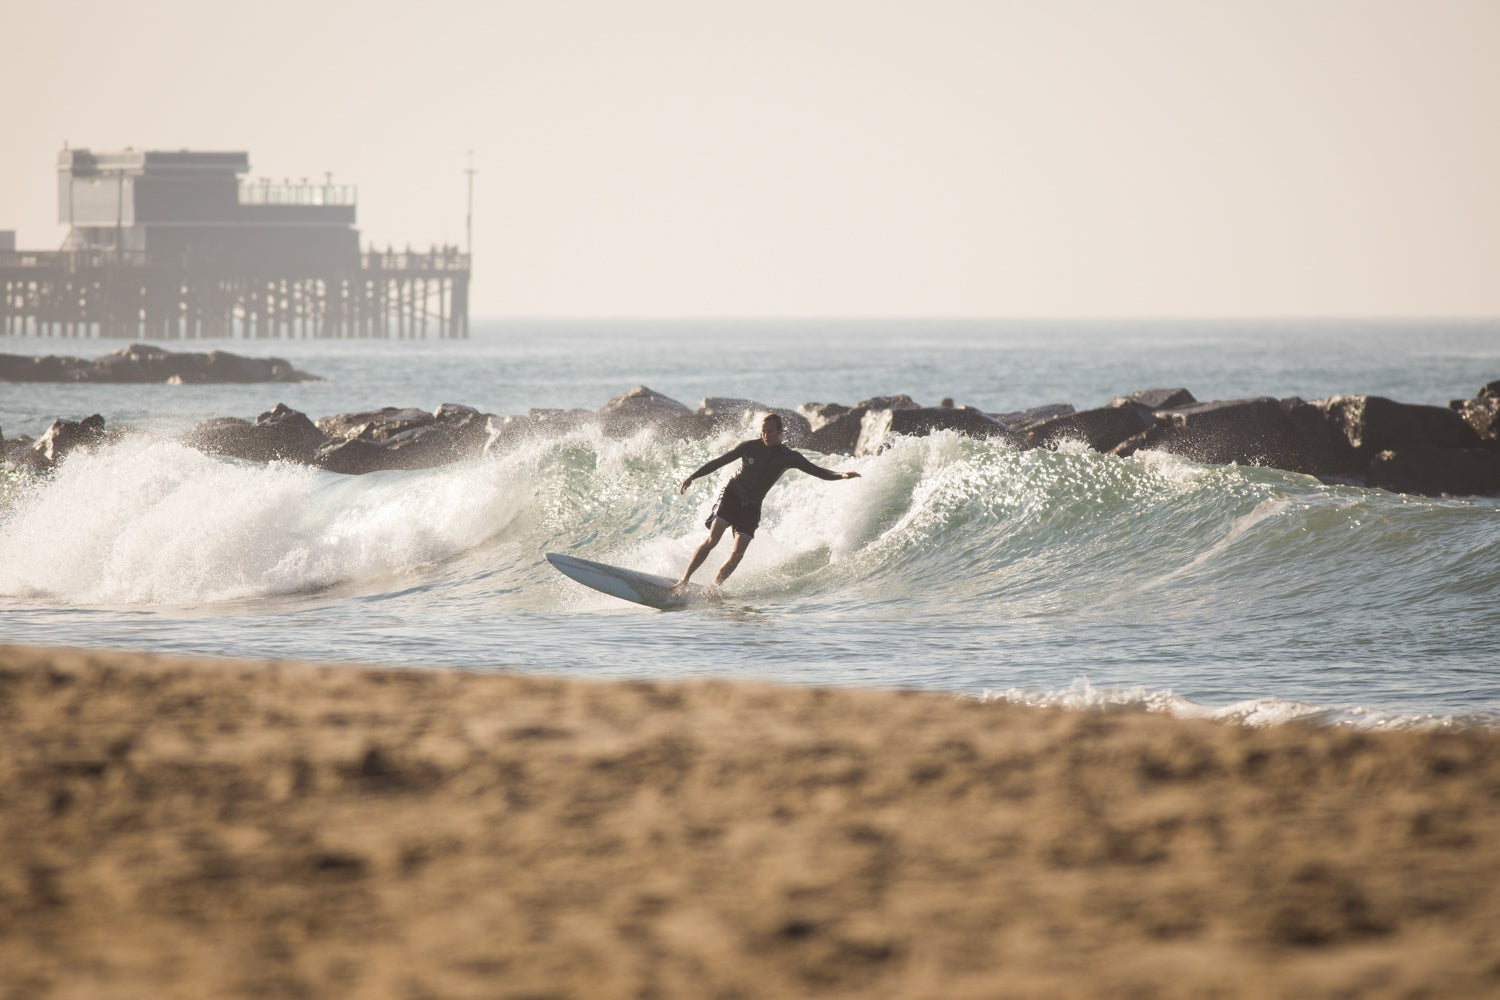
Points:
(146, 363)
(1355, 440)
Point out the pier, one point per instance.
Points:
(174, 246)
(133, 295)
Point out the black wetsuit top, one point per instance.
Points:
(763, 465)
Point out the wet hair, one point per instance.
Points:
(772, 418)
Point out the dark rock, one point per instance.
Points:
(879, 426)
(1157, 399)
(19, 368)
(1025, 419)
(1325, 450)
(232, 436)
(54, 369)
(640, 408)
(1481, 413)
(281, 371)
(456, 413)
(136, 363)
(723, 414)
(560, 419)
(280, 434)
(375, 425)
(293, 437)
(1437, 471)
(642, 404)
(223, 367)
(841, 434)
(67, 436)
(424, 447)
(148, 363)
(395, 438)
(1241, 431)
(1101, 429)
(900, 401)
(388, 438)
(818, 415)
(17, 454)
(352, 456)
(1373, 424)
(726, 411)
(505, 433)
(470, 428)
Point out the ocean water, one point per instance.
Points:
(952, 565)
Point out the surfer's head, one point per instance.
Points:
(770, 429)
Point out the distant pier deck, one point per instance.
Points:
(137, 296)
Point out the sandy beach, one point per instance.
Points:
(201, 828)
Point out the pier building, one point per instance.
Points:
(167, 245)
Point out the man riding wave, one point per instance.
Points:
(765, 458)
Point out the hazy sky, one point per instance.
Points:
(829, 157)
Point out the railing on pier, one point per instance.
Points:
(263, 192)
(436, 259)
(70, 260)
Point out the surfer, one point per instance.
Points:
(765, 459)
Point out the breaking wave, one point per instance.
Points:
(952, 563)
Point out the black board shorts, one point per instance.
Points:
(737, 512)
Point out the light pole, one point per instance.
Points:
(469, 219)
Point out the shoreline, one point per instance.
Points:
(197, 827)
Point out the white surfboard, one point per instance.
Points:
(627, 584)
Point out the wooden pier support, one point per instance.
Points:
(89, 294)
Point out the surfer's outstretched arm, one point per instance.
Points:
(710, 466)
(802, 462)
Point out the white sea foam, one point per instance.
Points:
(1081, 696)
(153, 522)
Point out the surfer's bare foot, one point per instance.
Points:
(679, 588)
